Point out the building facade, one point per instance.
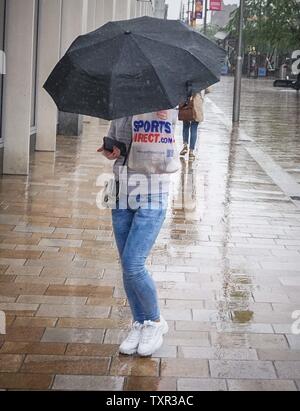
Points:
(221, 18)
(160, 9)
(34, 34)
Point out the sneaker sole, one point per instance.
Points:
(166, 328)
(153, 351)
(158, 345)
(132, 352)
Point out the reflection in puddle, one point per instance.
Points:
(236, 294)
(242, 317)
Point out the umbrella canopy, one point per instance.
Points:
(133, 67)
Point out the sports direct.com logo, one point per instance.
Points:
(154, 126)
(153, 132)
(152, 138)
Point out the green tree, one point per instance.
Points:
(270, 25)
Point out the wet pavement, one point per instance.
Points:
(226, 263)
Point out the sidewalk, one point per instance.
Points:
(227, 268)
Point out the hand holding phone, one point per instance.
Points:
(114, 155)
(109, 144)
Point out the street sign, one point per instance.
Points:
(216, 5)
(262, 72)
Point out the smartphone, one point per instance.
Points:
(109, 144)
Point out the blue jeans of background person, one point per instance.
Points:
(190, 127)
(136, 232)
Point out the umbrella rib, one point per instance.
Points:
(114, 66)
(77, 66)
(182, 49)
(154, 69)
(78, 50)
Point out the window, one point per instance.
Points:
(2, 30)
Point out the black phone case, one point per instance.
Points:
(109, 145)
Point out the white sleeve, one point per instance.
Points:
(112, 130)
(174, 117)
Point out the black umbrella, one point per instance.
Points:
(133, 67)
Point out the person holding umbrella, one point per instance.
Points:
(137, 224)
(118, 72)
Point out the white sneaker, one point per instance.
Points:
(152, 337)
(130, 345)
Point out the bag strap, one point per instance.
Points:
(127, 154)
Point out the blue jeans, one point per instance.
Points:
(136, 232)
(193, 126)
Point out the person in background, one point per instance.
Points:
(190, 128)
